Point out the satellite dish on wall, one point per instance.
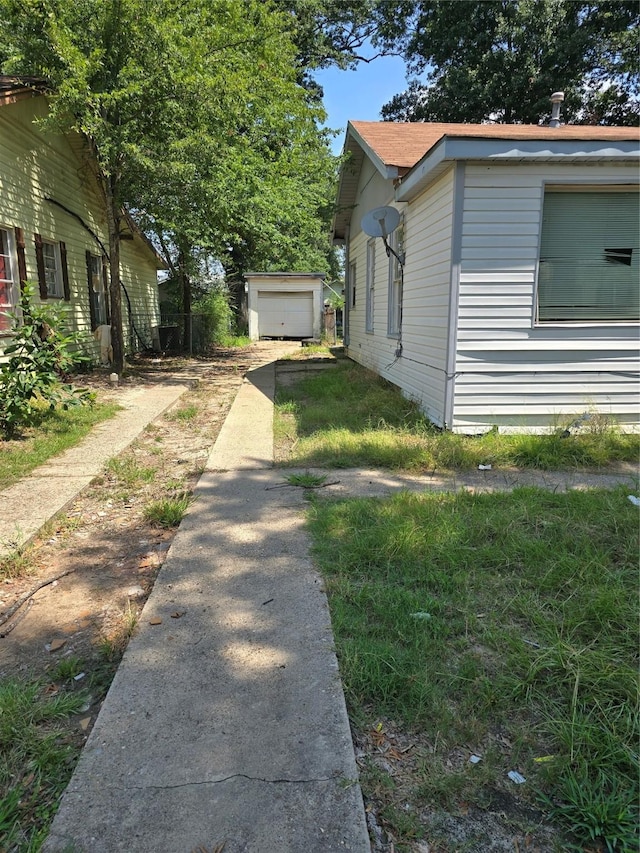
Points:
(380, 222)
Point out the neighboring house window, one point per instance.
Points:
(395, 282)
(51, 262)
(98, 300)
(352, 285)
(589, 267)
(370, 284)
(8, 282)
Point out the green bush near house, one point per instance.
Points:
(41, 355)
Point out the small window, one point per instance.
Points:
(98, 299)
(352, 285)
(395, 282)
(52, 269)
(370, 285)
(589, 268)
(8, 279)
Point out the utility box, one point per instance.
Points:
(284, 304)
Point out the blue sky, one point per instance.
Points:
(360, 94)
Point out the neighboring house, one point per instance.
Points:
(284, 304)
(53, 228)
(519, 302)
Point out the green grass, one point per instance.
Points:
(54, 432)
(127, 470)
(485, 620)
(185, 414)
(348, 417)
(168, 512)
(36, 761)
(234, 341)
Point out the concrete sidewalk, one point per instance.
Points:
(226, 720)
(32, 501)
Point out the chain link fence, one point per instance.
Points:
(172, 333)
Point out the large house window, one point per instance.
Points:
(395, 282)
(370, 285)
(589, 255)
(8, 279)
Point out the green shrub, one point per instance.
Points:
(216, 315)
(41, 357)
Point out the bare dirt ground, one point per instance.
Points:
(71, 633)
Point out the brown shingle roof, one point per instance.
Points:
(402, 144)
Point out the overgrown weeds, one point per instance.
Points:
(168, 512)
(36, 759)
(348, 417)
(503, 625)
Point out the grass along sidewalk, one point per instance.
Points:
(347, 417)
(54, 432)
(498, 626)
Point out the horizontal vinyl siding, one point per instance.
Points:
(509, 371)
(34, 165)
(420, 371)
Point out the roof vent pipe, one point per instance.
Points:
(556, 99)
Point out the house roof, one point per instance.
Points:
(410, 154)
(402, 144)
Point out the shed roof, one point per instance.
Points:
(396, 148)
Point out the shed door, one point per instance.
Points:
(285, 315)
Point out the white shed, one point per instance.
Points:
(284, 304)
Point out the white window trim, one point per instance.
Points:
(370, 286)
(575, 187)
(394, 298)
(352, 272)
(13, 272)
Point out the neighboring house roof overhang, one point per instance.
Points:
(412, 154)
(14, 89)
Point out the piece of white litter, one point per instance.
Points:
(422, 614)
(484, 467)
(475, 759)
(516, 777)
(634, 500)
(79, 676)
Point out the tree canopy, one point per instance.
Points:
(500, 60)
(196, 119)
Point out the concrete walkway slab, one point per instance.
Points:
(226, 720)
(51, 487)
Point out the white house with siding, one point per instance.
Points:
(518, 302)
(53, 227)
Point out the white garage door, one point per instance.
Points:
(285, 315)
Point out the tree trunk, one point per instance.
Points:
(114, 217)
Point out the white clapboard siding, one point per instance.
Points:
(37, 164)
(510, 371)
(420, 372)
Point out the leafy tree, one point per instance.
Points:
(191, 110)
(500, 60)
